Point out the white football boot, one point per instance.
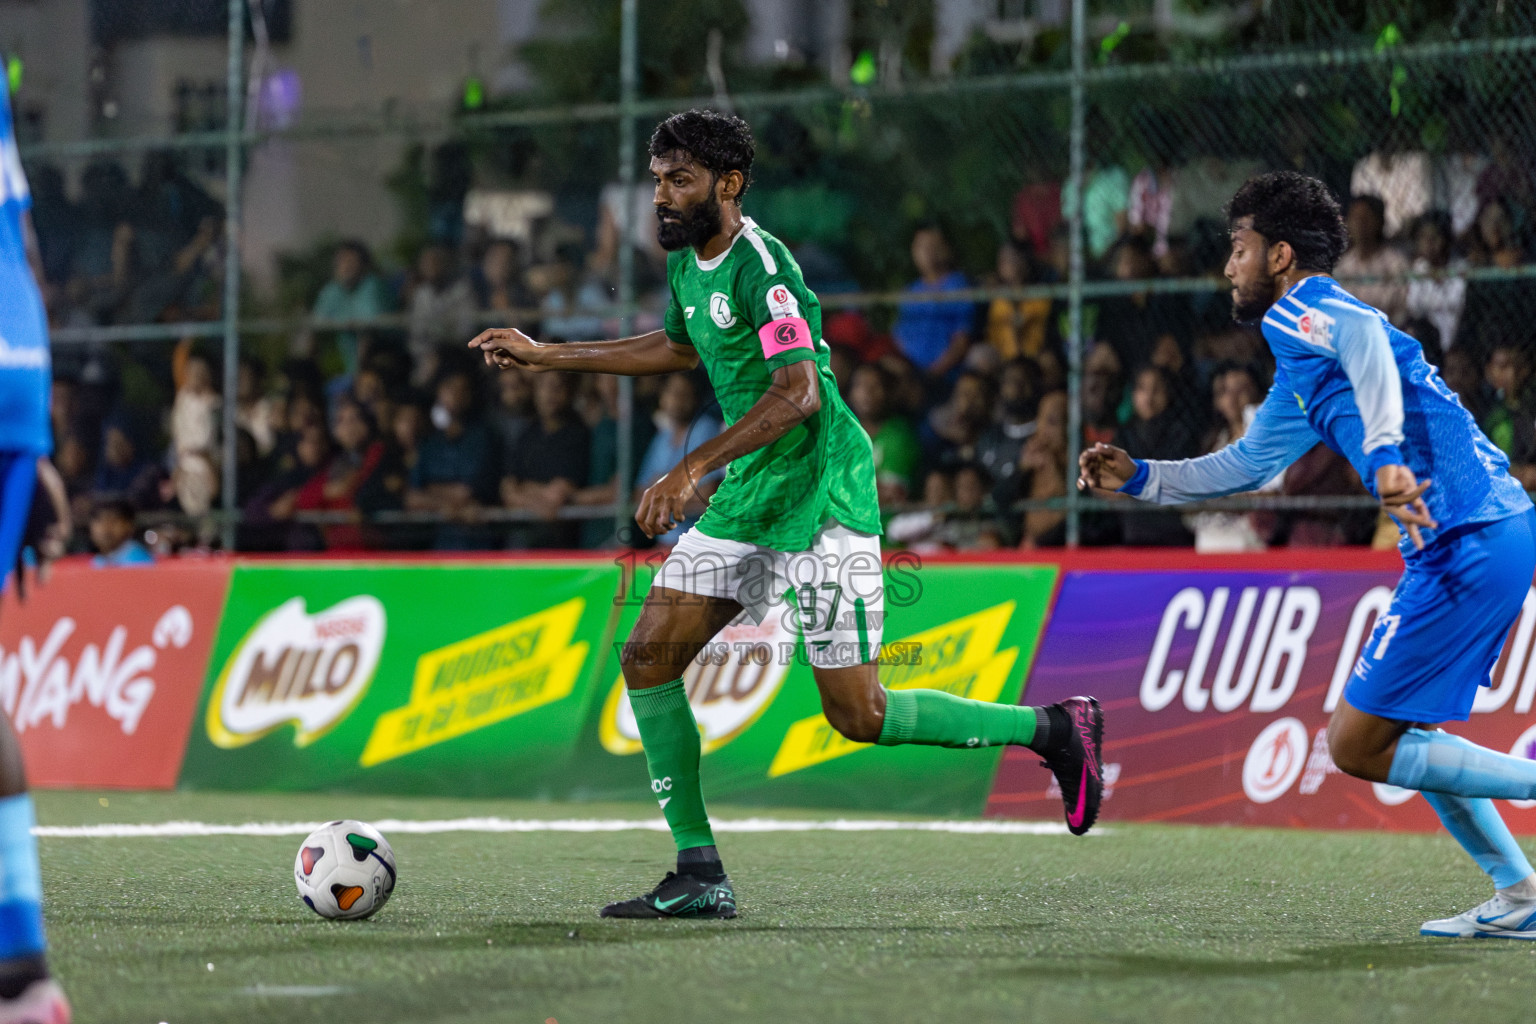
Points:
(1498, 918)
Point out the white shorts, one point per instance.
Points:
(833, 595)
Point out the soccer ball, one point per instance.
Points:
(345, 870)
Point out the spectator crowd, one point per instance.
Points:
(376, 430)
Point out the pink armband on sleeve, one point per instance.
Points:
(779, 336)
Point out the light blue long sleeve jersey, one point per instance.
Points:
(1344, 375)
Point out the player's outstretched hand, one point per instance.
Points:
(662, 504)
(506, 347)
(1103, 469)
(1402, 498)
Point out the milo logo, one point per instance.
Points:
(729, 685)
(293, 666)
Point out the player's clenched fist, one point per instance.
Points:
(1104, 469)
(506, 347)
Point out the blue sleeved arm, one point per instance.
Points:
(1278, 436)
(1365, 353)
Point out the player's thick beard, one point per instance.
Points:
(1251, 303)
(694, 226)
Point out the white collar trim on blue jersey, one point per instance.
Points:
(747, 223)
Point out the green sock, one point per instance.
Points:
(938, 719)
(671, 739)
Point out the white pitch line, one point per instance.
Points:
(179, 829)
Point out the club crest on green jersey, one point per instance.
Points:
(720, 310)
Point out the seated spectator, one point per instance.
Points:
(918, 529)
(1495, 309)
(122, 472)
(1462, 375)
(1018, 400)
(255, 410)
(442, 311)
(953, 429)
(354, 292)
(1017, 327)
(896, 450)
(603, 484)
(1133, 323)
(408, 430)
(1156, 431)
(1369, 255)
(1510, 420)
(1235, 396)
(680, 429)
(512, 414)
(906, 393)
(842, 362)
(1403, 178)
(1043, 474)
(1439, 296)
(571, 298)
(357, 479)
(1103, 394)
(1492, 241)
(268, 522)
(455, 469)
(1168, 354)
(72, 458)
(549, 465)
(112, 535)
(934, 335)
(498, 280)
(972, 522)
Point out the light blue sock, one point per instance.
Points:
(21, 883)
(1476, 825)
(1437, 762)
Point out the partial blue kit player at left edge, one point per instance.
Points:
(25, 367)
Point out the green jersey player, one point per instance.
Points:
(792, 530)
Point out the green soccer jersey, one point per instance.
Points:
(780, 495)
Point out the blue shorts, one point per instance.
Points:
(18, 477)
(1452, 609)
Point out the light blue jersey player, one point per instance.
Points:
(27, 994)
(1347, 377)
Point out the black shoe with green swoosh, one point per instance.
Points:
(679, 896)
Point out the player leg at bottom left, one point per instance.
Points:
(27, 994)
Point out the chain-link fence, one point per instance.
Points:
(1019, 250)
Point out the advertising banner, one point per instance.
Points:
(971, 630)
(465, 679)
(1217, 687)
(100, 670)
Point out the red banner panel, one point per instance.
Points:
(1217, 688)
(101, 669)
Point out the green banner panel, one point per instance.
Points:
(503, 680)
(467, 679)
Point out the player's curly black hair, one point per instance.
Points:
(718, 141)
(1290, 207)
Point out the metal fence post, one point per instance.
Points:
(1076, 183)
(629, 74)
(233, 151)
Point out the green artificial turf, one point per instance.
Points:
(1143, 923)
